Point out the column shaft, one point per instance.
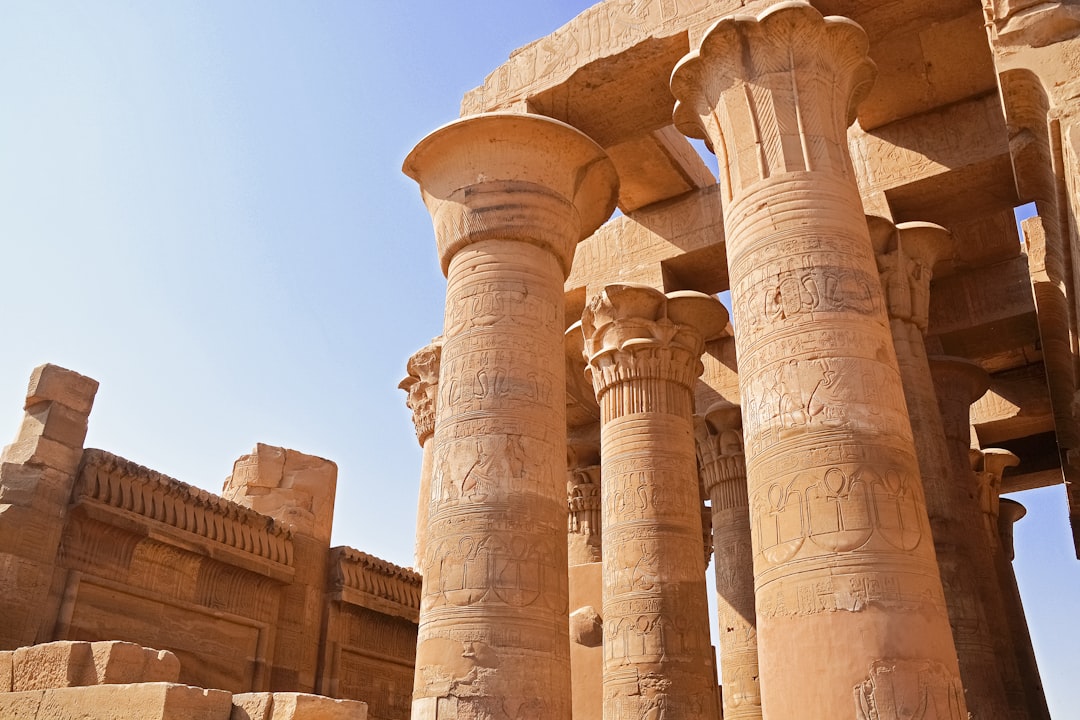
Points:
(723, 472)
(510, 197)
(906, 254)
(843, 558)
(657, 656)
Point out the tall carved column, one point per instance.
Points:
(1000, 515)
(510, 197)
(422, 388)
(723, 474)
(983, 630)
(843, 557)
(906, 255)
(644, 354)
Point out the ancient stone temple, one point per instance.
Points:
(598, 427)
(898, 354)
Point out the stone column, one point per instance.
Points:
(1000, 515)
(982, 630)
(850, 611)
(422, 386)
(644, 354)
(906, 255)
(723, 474)
(1009, 512)
(510, 197)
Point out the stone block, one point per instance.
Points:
(55, 422)
(118, 662)
(52, 383)
(5, 671)
(76, 664)
(294, 488)
(43, 451)
(52, 665)
(142, 701)
(586, 627)
(295, 706)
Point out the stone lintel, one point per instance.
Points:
(685, 233)
(1017, 405)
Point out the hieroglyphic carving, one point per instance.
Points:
(644, 353)
(832, 471)
(908, 689)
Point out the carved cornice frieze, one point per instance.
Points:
(636, 334)
(109, 480)
(371, 582)
(422, 387)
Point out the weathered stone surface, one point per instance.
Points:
(295, 706)
(142, 701)
(587, 627)
(75, 664)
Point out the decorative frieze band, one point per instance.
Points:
(372, 579)
(113, 481)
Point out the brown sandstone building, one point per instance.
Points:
(597, 429)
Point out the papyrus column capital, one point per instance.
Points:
(1010, 512)
(989, 466)
(958, 383)
(774, 93)
(422, 387)
(907, 254)
(718, 432)
(511, 176)
(635, 332)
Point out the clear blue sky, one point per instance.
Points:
(201, 206)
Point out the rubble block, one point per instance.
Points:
(118, 662)
(77, 664)
(295, 706)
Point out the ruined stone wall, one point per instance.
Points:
(246, 601)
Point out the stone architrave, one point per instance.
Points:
(510, 197)
(984, 628)
(1000, 515)
(422, 388)
(842, 548)
(644, 355)
(906, 255)
(723, 474)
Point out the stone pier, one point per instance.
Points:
(843, 555)
(510, 197)
(644, 353)
(723, 474)
(422, 386)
